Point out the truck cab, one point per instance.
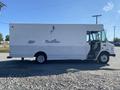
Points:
(100, 48)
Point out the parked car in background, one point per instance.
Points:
(117, 43)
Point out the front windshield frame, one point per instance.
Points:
(97, 36)
(104, 38)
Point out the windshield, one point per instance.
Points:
(96, 36)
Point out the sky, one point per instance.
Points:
(61, 12)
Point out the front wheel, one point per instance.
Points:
(103, 58)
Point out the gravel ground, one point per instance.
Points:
(68, 81)
(59, 75)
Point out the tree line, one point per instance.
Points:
(4, 39)
(116, 39)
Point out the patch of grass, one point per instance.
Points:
(4, 49)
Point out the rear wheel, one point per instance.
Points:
(41, 58)
(103, 58)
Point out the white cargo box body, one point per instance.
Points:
(58, 41)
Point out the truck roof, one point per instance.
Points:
(87, 27)
(54, 24)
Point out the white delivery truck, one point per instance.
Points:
(60, 42)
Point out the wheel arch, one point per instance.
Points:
(105, 52)
(40, 52)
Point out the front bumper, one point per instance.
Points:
(112, 55)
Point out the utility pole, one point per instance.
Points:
(96, 16)
(114, 32)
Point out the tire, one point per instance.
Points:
(103, 58)
(41, 58)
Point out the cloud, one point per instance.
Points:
(108, 7)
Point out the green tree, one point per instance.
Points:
(7, 38)
(116, 39)
(2, 5)
(1, 37)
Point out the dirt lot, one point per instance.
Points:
(59, 75)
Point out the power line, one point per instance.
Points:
(114, 32)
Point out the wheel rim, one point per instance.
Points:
(40, 59)
(104, 58)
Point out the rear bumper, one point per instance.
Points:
(112, 55)
(8, 57)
